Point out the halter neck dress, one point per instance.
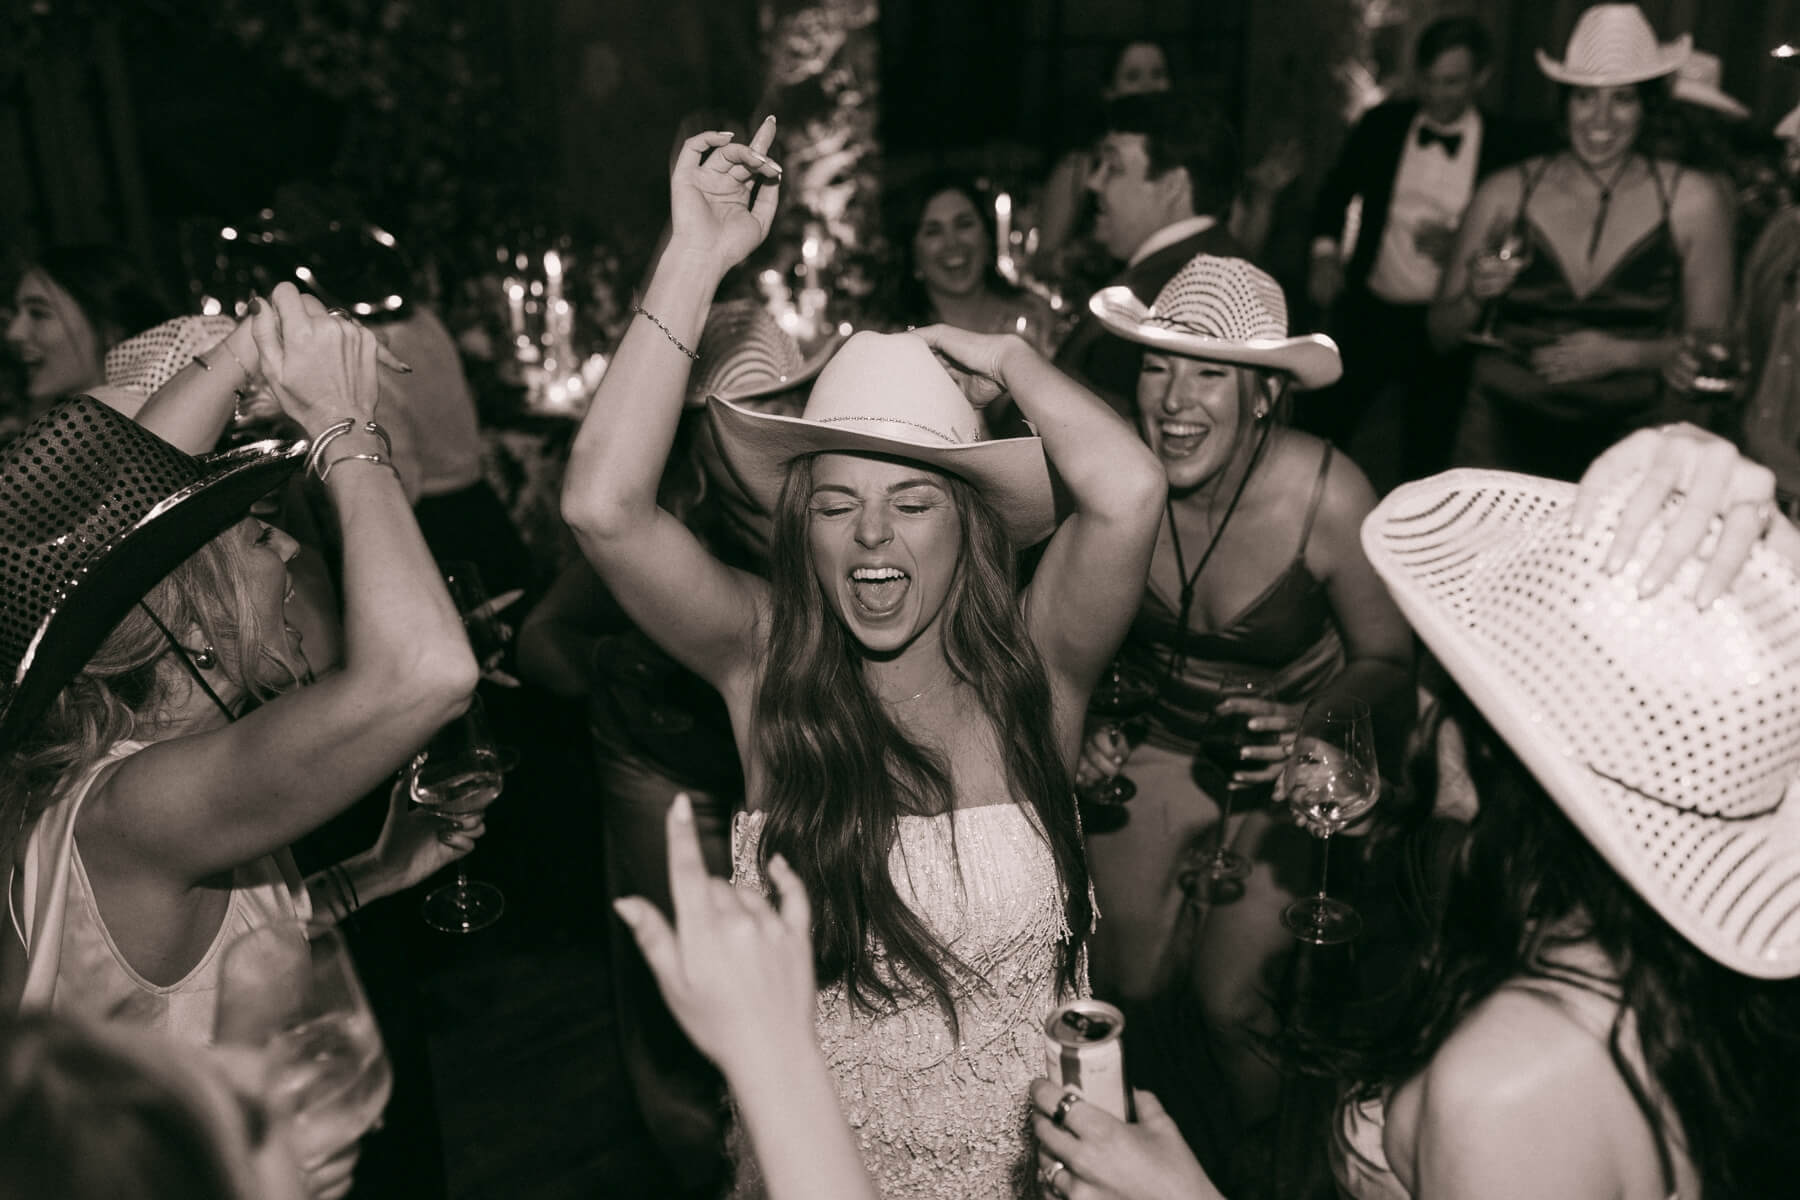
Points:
(1518, 421)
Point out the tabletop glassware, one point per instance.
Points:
(1331, 779)
(1507, 243)
(289, 993)
(1122, 693)
(458, 772)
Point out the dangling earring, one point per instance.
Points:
(1262, 411)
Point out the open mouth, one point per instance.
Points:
(878, 591)
(1181, 438)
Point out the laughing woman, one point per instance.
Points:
(906, 718)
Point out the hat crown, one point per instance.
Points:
(744, 350)
(1615, 44)
(892, 385)
(145, 362)
(1224, 298)
(76, 479)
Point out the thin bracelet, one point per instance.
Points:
(368, 458)
(667, 332)
(238, 394)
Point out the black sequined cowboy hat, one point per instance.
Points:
(95, 510)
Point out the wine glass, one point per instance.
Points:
(1717, 362)
(288, 992)
(459, 771)
(1330, 780)
(1507, 243)
(1122, 693)
(1222, 741)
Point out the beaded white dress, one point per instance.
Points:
(936, 1117)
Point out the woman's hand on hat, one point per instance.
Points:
(723, 195)
(977, 361)
(1103, 1158)
(321, 367)
(1725, 504)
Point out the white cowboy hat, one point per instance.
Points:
(745, 354)
(138, 366)
(887, 394)
(1221, 310)
(1670, 736)
(1614, 45)
(1698, 83)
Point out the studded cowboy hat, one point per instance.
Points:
(746, 355)
(887, 394)
(95, 510)
(1222, 310)
(1669, 735)
(1614, 45)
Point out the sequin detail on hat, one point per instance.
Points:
(142, 364)
(1224, 298)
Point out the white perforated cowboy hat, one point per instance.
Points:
(139, 366)
(1669, 735)
(1222, 310)
(887, 394)
(1699, 82)
(1614, 45)
(745, 355)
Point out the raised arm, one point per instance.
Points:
(1091, 577)
(194, 806)
(722, 199)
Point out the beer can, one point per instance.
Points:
(1084, 1049)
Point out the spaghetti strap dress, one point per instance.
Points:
(1517, 421)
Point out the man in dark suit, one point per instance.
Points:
(1167, 171)
(1385, 221)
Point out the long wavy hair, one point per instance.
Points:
(1722, 1048)
(121, 692)
(841, 773)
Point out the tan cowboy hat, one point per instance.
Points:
(1669, 735)
(1698, 80)
(1613, 45)
(745, 354)
(138, 367)
(887, 394)
(1221, 310)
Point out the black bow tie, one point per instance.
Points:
(1451, 142)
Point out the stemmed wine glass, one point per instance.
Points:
(1330, 780)
(1122, 693)
(459, 771)
(1506, 243)
(1223, 740)
(288, 992)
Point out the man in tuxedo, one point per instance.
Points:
(1166, 173)
(1384, 225)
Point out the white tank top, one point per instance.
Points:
(73, 965)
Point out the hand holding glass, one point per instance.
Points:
(458, 772)
(1330, 780)
(1226, 735)
(289, 992)
(1509, 247)
(1121, 694)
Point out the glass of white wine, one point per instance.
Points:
(457, 773)
(1507, 244)
(1331, 779)
(289, 993)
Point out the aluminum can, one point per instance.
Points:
(1084, 1049)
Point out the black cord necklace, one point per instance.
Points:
(1190, 581)
(1606, 195)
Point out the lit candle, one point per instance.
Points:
(1003, 223)
(515, 308)
(553, 299)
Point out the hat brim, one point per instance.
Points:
(1011, 472)
(1669, 59)
(1434, 539)
(123, 572)
(1312, 359)
(808, 372)
(1706, 95)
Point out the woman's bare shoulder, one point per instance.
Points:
(1518, 1051)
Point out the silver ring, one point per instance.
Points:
(1052, 1186)
(341, 313)
(1060, 1117)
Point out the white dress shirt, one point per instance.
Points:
(1168, 235)
(1430, 187)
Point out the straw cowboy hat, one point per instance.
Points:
(94, 511)
(1698, 80)
(1669, 735)
(138, 367)
(1221, 310)
(1614, 45)
(887, 394)
(746, 355)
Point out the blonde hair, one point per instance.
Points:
(122, 690)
